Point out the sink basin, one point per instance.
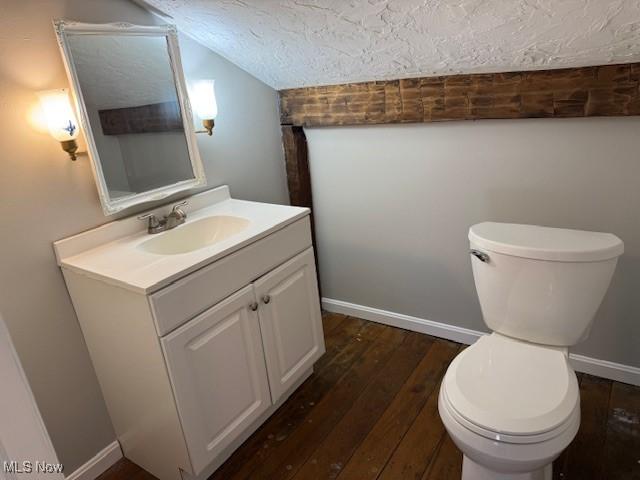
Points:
(195, 235)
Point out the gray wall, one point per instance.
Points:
(393, 205)
(45, 196)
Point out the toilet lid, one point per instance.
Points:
(512, 387)
(545, 243)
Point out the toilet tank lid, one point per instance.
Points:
(545, 243)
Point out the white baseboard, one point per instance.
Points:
(605, 369)
(592, 366)
(95, 467)
(421, 325)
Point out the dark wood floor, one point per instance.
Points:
(370, 412)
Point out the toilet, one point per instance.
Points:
(511, 402)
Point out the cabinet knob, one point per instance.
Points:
(253, 306)
(266, 299)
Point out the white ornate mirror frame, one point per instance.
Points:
(111, 205)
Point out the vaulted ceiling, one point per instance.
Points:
(294, 43)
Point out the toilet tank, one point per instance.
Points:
(541, 284)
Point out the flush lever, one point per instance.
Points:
(483, 257)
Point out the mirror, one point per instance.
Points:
(132, 101)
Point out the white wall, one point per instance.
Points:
(44, 197)
(393, 205)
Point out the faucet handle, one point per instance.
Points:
(154, 223)
(178, 215)
(178, 205)
(151, 216)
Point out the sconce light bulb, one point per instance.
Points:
(59, 115)
(204, 99)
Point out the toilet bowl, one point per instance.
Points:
(511, 402)
(511, 407)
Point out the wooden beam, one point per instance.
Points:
(297, 166)
(296, 159)
(609, 90)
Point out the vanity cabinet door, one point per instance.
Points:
(217, 369)
(290, 321)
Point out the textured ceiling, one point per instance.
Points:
(293, 43)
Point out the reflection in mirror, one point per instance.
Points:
(130, 96)
(132, 99)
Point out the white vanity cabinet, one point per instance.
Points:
(190, 365)
(216, 361)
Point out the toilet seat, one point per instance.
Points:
(511, 391)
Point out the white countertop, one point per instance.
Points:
(120, 262)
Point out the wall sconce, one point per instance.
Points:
(204, 103)
(60, 118)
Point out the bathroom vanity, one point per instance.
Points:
(199, 333)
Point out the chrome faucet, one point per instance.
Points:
(175, 218)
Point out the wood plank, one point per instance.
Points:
(329, 458)
(326, 413)
(372, 455)
(418, 447)
(622, 444)
(585, 455)
(352, 331)
(605, 90)
(447, 464)
(330, 321)
(343, 350)
(142, 475)
(122, 469)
